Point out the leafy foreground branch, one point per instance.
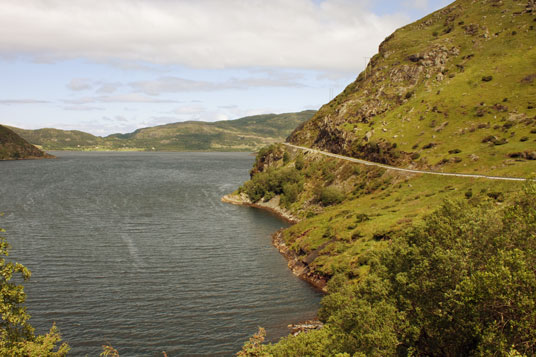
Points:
(17, 337)
(463, 283)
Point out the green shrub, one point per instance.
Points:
(299, 163)
(270, 183)
(286, 157)
(463, 282)
(330, 195)
(290, 193)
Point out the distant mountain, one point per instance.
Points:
(13, 147)
(245, 134)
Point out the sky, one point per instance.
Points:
(118, 65)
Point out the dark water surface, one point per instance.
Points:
(136, 250)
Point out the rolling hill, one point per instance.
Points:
(245, 134)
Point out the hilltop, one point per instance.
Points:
(452, 92)
(244, 134)
(13, 147)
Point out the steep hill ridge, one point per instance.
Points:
(13, 147)
(244, 134)
(455, 90)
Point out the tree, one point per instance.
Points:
(17, 337)
(461, 283)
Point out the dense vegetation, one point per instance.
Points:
(244, 134)
(461, 283)
(13, 147)
(17, 337)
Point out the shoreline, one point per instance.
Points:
(46, 157)
(296, 265)
(271, 206)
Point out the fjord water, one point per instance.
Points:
(137, 251)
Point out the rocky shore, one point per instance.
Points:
(271, 206)
(296, 329)
(295, 263)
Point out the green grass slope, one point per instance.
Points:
(455, 91)
(244, 134)
(56, 139)
(13, 147)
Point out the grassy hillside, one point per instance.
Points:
(13, 147)
(245, 134)
(56, 139)
(453, 92)
(441, 125)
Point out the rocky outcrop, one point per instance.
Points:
(271, 205)
(381, 89)
(306, 326)
(298, 266)
(266, 157)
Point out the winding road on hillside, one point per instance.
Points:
(387, 167)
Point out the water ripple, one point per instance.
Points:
(136, 250)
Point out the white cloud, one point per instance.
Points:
(79, 84)
(176, 84)
(189, 109)
(82, 108)
(118, 98)
(108, 87)
(22, 101)
(330, 35)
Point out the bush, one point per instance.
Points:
(270, 183)
(299, 163)
(286, 157)
(290, 193)
(461, 284)
(468, 194)
(330, 195)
